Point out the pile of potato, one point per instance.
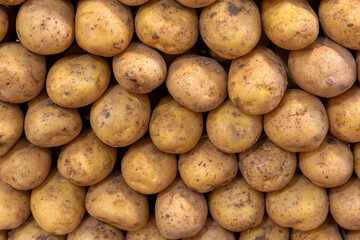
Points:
(179, 119)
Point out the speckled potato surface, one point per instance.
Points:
(4, 22)
(11, 2)
(148, 232)
(196, 3)
(133, 2)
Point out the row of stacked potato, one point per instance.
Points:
(130, 119)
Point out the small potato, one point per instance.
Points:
(205, 167)
(230, 28)
(197, 83)
(231, 130)
(257, 82)
(103, 27)
(148, 232)
(11, 2)
(299, 123)
(353, 235)
(4, 22)
(46, 26)
(133, 2)
(356, 153)
(146, 169)
(196, 3)
(139, 69)
(173, 128)
(167, 26)
(180, 212)
(119, 118)
(22, 73)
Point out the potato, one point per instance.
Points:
(58, 205)
(353, 235)
(257, 82)
(299, 123)
(4, 235)
(196, 82)
(148, 232)
(324, 68)
(4, 22)
(119, 118)
(92, 229)
(205, 167)
(11, 2)
(167, 26)
(196, 3)
(11, 125)
(356, 153)
(112, 201)
(22, 73)
(30, 230)
(180, 212)
(173, 128)
(300, 205)
(48, 125)
(103, 27)
(290, 24)
(139, 69)
(86, 160)
(358, 63)
(78, 80)
(231, 130)
(133, 2)
(146, 169)
(230, 28)
(340, 21)
(267, 230)
(46, 26)
(14, 206)
(266, 167)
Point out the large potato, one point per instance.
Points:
(4, 22)
(196, 3)
(148, 232)
(133, 2)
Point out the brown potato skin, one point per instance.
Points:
(11, 2)
(196, 3)
(133, 2)
(4, 22)
(148, 232)
(353, 235)
(358, 63)
(356, 153)
(3, 235)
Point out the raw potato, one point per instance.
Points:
(148, 232)
(212, 231)
(266, 167)
(173, 128)
(180, 212)
(58, 205)
(231, 28)
(86, 160)
(48, 125)
(112, 201)
(257, 82)
(11, 2)
(139, 69)
(4, 22)
(133, 2)
(299, 123)
(290, 24)
(324, 68)
(22, 73)
(340, 21)
(300, 205)
(146, 169)
(25, 166)
(119, 118)
(197, 83)
(205, 167)
(103, 27)
(353, 235)
(46, 26)
(196, 3)
(11, 125)
(231, 130)
(356, 152)
(167, 26)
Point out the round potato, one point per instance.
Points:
(353, 235)
(356, 153)
(173, 128)
(231, 130)
(257, 82)
(139, 69)
(167, 26)
(197, 83)
(4, 22)
(11, 2)
(119, 118)
(103, 27)
(46, 26)
(196, 3)
(133, 2)
(230, 28)
(22, 73)
(180, 212)
(148, 232)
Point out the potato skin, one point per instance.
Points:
(133, 2)
(148, 232)
(196, 3)
(11, 2)
(3, 235)
(4, 22)
(358, 63)
(356, 153)
(353, 235)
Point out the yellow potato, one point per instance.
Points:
(11, 2)
(4, 22)
(148, 232)
(196, 3)
(133, 2)
(356, 152)
(353, 235)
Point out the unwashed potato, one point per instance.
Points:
(167, 26)
(257, 81)
(230, 28)
(324, 68)
(103, 27)
(11, 2)
(46, 26)
(22, 73)
(180, 212)
(112, 201)
(139, 69)
(356, 153)
(148, 232)
(58, 205)
(196, 3)
(119, 118)
(231, 130)
(48, 125)
(3, 235)
(353, 235)
(197, 82)
(133, 2)
(4, 22)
